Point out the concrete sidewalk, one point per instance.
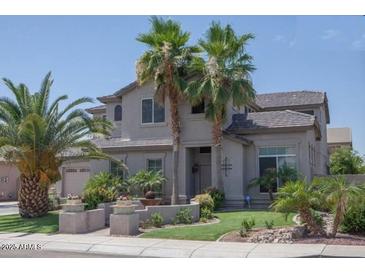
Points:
(7, 208)
(139, 247)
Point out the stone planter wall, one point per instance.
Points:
(168, 212)
(81, 222)
(109, 210)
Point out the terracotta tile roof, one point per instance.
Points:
(100, 108)
(122, 143)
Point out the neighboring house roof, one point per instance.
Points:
(97, 109)
(126, 144)
(108, 98)
(339, 135)
(271, 120)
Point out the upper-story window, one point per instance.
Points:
(118, 113)
(200, 108)
(152, 112)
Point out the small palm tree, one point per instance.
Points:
(268, 181)
(299, 196)
(34, 135)
(221, 78)
(286, 173)
(270, 178)
(147, 181)
(165, 63)
(340, 196)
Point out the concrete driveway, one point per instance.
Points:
(7, 208)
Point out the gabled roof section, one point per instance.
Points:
(127, 88)
(271, 120)
(291, 98)
(97, 109)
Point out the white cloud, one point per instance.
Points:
(329, 34)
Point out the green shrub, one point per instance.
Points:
(183, 217)
(205, 201)
(354, 220)
(217, 196)
(205, 213)
(269, 224)
(157, 219)
(246, 226)
(101, 188)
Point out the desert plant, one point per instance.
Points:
(205, 213)
(148, 181)
(205, 201)
(183, 216)
(35, 136)
(269, 224)
(217, 196)
(299, 196)
(101, 188)
(157, 219)
(340, 196)
(246, 226)
(354, 219)
(346, 161)
(164, 63)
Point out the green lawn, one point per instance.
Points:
(229, 221)
(14, 223)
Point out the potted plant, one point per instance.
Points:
(73, 199)
(149, 182)
(124, 206)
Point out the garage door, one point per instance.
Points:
(75, 179)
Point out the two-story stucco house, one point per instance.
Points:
(279, 128)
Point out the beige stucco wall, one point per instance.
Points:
(11, 186)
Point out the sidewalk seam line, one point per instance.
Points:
(248, 253)
(197, 249)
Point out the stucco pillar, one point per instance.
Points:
(214, 167)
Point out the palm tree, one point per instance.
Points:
(268, 181)
(165, 63)
(35, 134)
(220, 78)
(339, 195)
(299, 196)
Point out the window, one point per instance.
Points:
(154, 164)
(116, 170)
(275, 157)
(4, 180)
(118, 113)
(200, 108)
(152, 112)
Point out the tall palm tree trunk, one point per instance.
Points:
(337, 220)
(32, 197)
(175, 127)
(217, 146)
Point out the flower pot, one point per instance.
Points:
(73, 201)
(117, 209)
(124, 202)
(151, 202)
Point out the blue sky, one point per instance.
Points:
(95, 55)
